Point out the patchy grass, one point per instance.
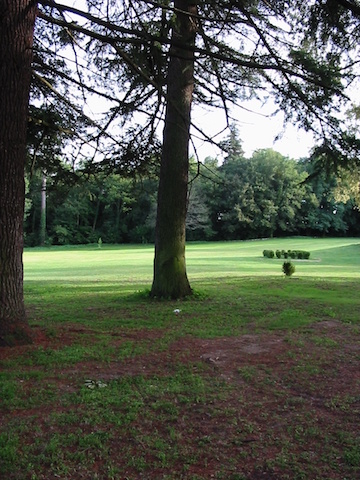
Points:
(256, 377)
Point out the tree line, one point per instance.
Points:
(241, 198)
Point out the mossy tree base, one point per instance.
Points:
(16, 334)
(170, 278)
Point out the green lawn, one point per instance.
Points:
(256, 377)
(64, 283)
(335, 257)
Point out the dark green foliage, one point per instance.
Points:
(117, 209)
(293, 254)
(301, 255)
(243, 198)
(288, 268)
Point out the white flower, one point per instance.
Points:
(177, 311)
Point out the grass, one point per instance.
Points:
(132, 265)
(257, 377)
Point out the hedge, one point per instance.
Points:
(299, 254)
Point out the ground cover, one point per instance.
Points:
(256, 377)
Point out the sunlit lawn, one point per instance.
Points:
(335, 257)
(72, 283)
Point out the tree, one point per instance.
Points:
(327, 215)
(47, 135)
(348, 179)
(336, 23)
(43, 211)
(170, 278)
(258, 197)
(17, 20)
(117, 209)
(198, 222)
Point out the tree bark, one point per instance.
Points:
(43, 211)
(170, 277)
(17, 19)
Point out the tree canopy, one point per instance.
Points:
(304, 55)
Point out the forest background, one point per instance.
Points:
(231, 198)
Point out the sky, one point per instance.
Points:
(257, 131)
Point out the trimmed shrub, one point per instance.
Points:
(302, 255)
(293, 254)
(288, 268)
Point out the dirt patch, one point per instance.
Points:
(275, 406)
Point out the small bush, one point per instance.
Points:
(288, 268)
(268, 253)
(278, 254)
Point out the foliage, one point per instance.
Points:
(116, 209)
(288, 268)
(300, 254)
(230, 201)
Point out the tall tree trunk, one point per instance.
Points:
(117, 220)
(170, 278)
(43, 211)
(17, 19)
(96, 214)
